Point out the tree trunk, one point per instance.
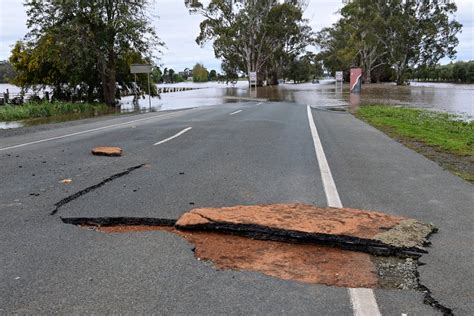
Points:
(108, 81)
(401, 71)
(274, 78)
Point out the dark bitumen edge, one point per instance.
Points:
(345, 242)
(118, 221)
(76, 195)
(428, 298)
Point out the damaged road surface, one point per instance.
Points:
(296, 242)
(128, 238)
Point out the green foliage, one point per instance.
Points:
(6, 72)
(156, 75)
(84, 46)
(200, 73)
(212, 75)
(177, 78)
(445, 131)
(398, 33)
(36, 110)
(253, 35)
(303, 69)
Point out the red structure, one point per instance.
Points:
(356, 80)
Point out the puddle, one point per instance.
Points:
(9, 125)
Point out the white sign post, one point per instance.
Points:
(339, 77)
(253, 78)
(142, 69)
(253, 81)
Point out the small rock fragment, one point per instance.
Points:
(107, 151)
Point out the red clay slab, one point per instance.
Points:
(358, 226)
(297, 217)
(107, 151)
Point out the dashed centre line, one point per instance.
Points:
(173, 137)
(236, 112)
(363, 300)
(88, 131)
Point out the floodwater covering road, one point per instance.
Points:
(265, 153)
(456, 98)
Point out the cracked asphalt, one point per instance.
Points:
(263, 154)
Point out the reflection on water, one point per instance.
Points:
(457, 98)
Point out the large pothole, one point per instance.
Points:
(308, 263)
(333, 246)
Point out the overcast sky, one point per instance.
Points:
(178, 29)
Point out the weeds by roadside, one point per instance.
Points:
(36, 110)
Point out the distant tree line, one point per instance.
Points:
(6, 72)
(459, 72)
(389, 38)
(199, 73)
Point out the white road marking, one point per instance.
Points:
(259, 103)
(85, 132)
(363, 300)
(174, 136)
(233, 113)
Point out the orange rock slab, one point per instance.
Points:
(107, 151)
(295, 217)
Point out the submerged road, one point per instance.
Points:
(245, 153)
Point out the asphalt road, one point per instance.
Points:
(245, 153)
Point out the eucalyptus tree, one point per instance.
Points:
(334, 52)
(253, 35)
(362, 20)
(403, 34)
(84, 42)
(418, 33)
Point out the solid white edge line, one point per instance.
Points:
(235, 112)
(363, 300)
(328, 182)
(173, 137)
(86, 131)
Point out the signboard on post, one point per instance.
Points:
(142, 69)
(339, 76)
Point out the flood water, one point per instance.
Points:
(454, 98)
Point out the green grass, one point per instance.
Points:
(37, 110)
(442, 131)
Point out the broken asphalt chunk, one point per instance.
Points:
(372, 232)
(107, 151)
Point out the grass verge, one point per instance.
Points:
(37, 110)
(441, 137)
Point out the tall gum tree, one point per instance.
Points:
(418, 33)
(253, 35)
